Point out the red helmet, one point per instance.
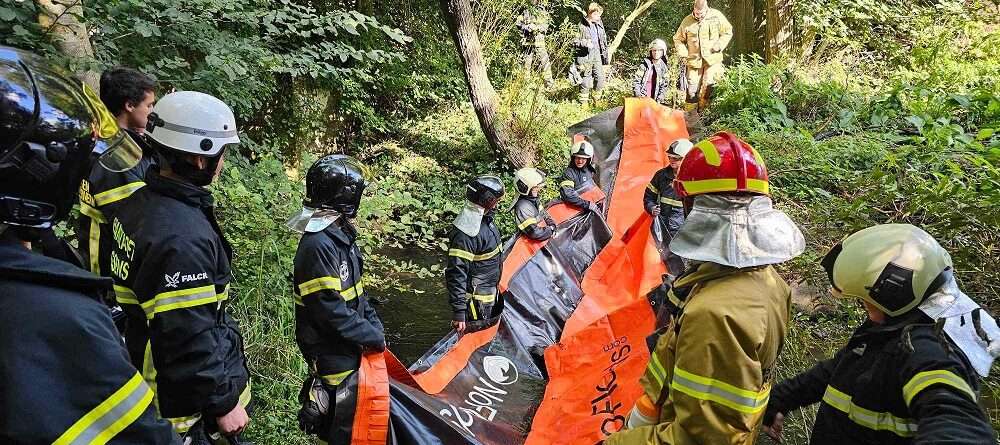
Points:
(721, 164)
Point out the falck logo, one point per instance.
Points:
(500, 369)
(173, 280)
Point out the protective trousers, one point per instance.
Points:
(592, 73)
(536, 58)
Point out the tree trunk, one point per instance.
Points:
(462, 24)
(62, 21)
(747, 20)
(620, 35)
(780, 32)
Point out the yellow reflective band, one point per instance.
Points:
(124, 295)
(117, 194)
(924, 379)
(524, 224)
(149, 371)
(352, 292)
(652, 189)
(709, 186)
(673, 298)
(704, 388)
(656, 368)
(92, 213)
(671, 202)
(473, 257)
(298, 299)
(567, 183)
(94, 246)
(485, 298)
(869, 419)
(759, 186)
(179, 299)
(183, 424)
(711, 153)
(472, 310)
(757, 156)
(245, 396)
(318, 284)
(111, 416)
(336, 379)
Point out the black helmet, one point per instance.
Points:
(335, 182)
(49, 130)
(485, 191)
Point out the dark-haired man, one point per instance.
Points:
(129, 95)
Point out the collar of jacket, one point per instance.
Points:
(892, 325)
(142, 142)
(20, 264)
(682, 287)
(342, 232)
(188, 193)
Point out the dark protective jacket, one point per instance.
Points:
(534, 25)
(100, 195)
(171, 266)
(651, 74)
(65, 374)
(898, 383)
(531, 221)
(473, 271)
(576, 182)
(333, 318)
(660, 192)
(592, 42)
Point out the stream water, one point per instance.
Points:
(415, 321)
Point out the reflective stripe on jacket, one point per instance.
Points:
(898, 383)
(710, 374)
(66, 377)
(333, 318)
(529, 219)
(473, 270)
(575, 182)
(171, 266)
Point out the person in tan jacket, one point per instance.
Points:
(709, 376)
(699, 41)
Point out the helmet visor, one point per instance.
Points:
(118, 153)
(115, 149)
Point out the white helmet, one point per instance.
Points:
(679, 148)
(582, 149)
(193, 122)
(528, 178)
(658, 44)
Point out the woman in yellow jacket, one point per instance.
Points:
(709, 376)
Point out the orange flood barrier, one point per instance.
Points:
(591, 320)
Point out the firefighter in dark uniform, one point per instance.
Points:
(474, 256)
(66, 378)
(171, 266)
(579, 177)
(334, 321)
(908, 374)
(528, 215)
(660, 199)
(129, 95)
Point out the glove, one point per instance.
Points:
(549, 221)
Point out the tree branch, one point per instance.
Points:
(620, 35)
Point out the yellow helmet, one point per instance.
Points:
(528, 178)
(892, 266)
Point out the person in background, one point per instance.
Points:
(700, 41)
(534, 24)
(709, 375)
(591, 54)
(528, 214)
(908, 374)
(661, 201)
(579, 177)
(65, 376)
(334, 321)
(652, 78)
(472, 275)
